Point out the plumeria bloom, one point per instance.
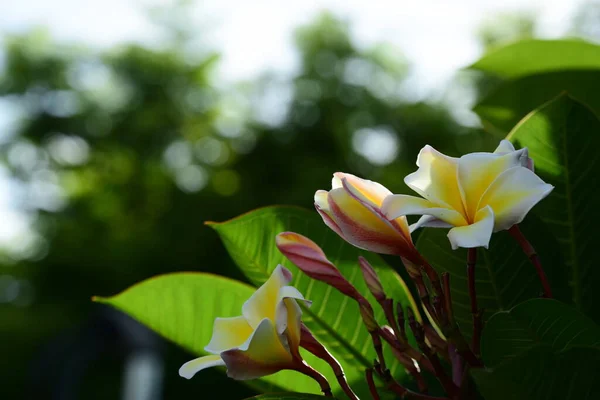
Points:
(352, 208)
(475, 195)
(263, 340)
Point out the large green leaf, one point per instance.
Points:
(513, 100)
(541, 374)
(333, 318)
(563, 138)
(504, 275)
(528, 57)
(535, 322)
(183, 306)
(535, 71)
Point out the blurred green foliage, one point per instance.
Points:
(120, 156)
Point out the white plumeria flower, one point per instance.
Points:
(475, 195)
(263, 340)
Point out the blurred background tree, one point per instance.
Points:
(120, 156)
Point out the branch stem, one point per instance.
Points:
(304, 368)
(471, 261)
(530, 252)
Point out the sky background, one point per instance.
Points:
(256, 36)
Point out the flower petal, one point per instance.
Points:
(504, 147)
(513, 194)
(365, 229)
(436, 179)
(507, 147)
(477, 171)
(477, 234)
(401, 204)
(428, 221)
(364, 190)
(228, 333)
(329, 221)
(264, 355)
(263, 303)
(371, 195)
(321, 200)
(190, 368)
(281, 313)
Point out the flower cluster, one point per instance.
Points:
(474, 195)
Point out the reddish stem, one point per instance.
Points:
(471, 261)
(304, 368)
(400, 390)
(371, 383)
(310, 343)
(533, 257)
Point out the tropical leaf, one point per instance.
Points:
(536, 322)
(333, 318)
(513, 100)
(504, 276)
(541, 374)
(183, 306)
(529, 57)
(533, 72)
(563, 138)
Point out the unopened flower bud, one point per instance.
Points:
(311, 260)
(368, 316)
(372, 280)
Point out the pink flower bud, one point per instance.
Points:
(372, 280)
(311, 260)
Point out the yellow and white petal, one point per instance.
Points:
(366, 191)
(228, 333)
(293, 328)
(336, 181)
(507, 147)
(263, 303)
(321, 200)
(371, 195)
(281, 313)
(401, 204)
(477, 171)
(364, 228)
(264, 355)
(513, 194)
(190, 368)
(504, 147)
(428, 221)
(436, 179)
(477, 234)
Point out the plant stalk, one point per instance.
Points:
(530, 252)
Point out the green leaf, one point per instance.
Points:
(513, 100)
(333, 318)
(288, 396)
(532, 323)
(528, 57)
(183, 306)
(541, 374)
(504, 276)
(563, 138)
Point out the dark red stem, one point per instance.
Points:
(310, 343)
(471, 261)
(304, 368)
(371, 383)
(533, 257)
